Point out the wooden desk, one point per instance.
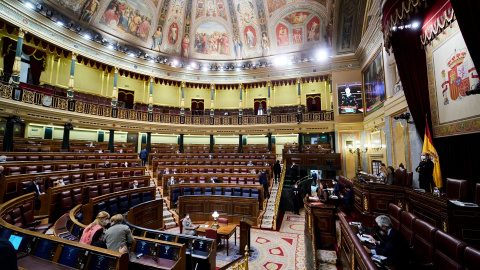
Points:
(223, 232)
(319, 228)
(32, 262)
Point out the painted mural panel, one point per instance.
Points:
(174, 28)
(297, 36)
(296, 18)
(128, 18)
(313, 30)
(245, 12)
(89, 9)
(250, 36)
(210, 8)
(211, 38)
(274, 5)
(282, 35)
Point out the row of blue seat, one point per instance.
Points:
(237, 191)
(122, 204)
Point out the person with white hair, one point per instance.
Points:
(3, 158)
(395, 247)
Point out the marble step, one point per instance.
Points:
(170, 225)
(167, 214)
(169, 219)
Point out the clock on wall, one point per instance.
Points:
(47, 101)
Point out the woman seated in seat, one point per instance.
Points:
(322, 193)
(93, 233)
(59, 183)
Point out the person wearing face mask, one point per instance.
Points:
(92, 235)
(296, 199)
(425, 171)
(395, 247)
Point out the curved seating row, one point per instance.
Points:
(216, 169)
(110, 202)
(204, 156)
(30, 167)
(12, 156)
(246, 191)
(14, 185)
(58, 200)
(48, 252)
(223, 178)
(160, 164)
(431, 246)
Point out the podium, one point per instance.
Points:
(245, 225)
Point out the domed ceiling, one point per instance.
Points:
(220, 29)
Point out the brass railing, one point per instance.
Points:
(279, 195)
(62, 103)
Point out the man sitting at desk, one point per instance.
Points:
(337, 188)
(395, 247)
(347, 200)
(188, 227)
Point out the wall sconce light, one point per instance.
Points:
(215, 216)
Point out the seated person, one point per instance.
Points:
(337, 188)
(92, 235)
(134, 185)
(106, 165)
(59, 183)
(263, 157)
(125, 165)
(166, 171)
(118, 236)
(3, 158)
(253, 171)
(214, 180)
(188, 227)
(250, 163)
(395, 247)
(171, 182)
(120, 151)
(210, 157)
(174, 171)
(182, 181)
(185, 170)
(348, 199)
(322, 193)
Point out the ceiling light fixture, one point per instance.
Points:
(29, 5)
(60, 22)
(322, 55)
(415, 25)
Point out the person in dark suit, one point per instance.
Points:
(337, 188)
(134, 185)
(293, 172)
(425, 171)
(395, 247)
(106, 165)
(277, 170)
(347, 200)
(36, 187)
(262, 178)
(8, 255)
(144, 156)
(296, 197)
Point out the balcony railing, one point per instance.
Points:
(38, 98)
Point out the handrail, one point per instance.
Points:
(62, 103)
(279, 195)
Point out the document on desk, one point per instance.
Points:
(203, 226)
(364, 237)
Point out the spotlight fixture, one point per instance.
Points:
(249, 65)
(29, 5)
(266, 64)
(165, 61)
(96, 37)
(146, 56)
(405, 116)
(39, 7)
(125, 49)
(216, 67)
(131, 54)
(243, 66)
(193, 65)
(70, 25)
(415, 25)
(205, 69)
(60, 22)
(103, 41)
(86, 36)
(78, 29)
(118, 47)
(139, 53)
(49, 14)
(322, 55)
(110, 46)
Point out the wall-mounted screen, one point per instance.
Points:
(350, 98)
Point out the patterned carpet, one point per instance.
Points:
(274, 250)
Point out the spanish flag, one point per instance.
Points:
(428, 148)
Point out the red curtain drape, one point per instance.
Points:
(309, 104)
(318, 103)
(412, 68)
(467, 14)
(37, 59)
(197, 106)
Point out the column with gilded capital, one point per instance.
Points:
(150, 102)
(182, 105)
(114, 93)
(269, 106)
(299, 100)
(212, 104)
(18, 57)
(240, 104)
(71, 83)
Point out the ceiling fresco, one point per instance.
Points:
(217, 29)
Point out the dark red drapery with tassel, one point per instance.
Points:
(467, 14)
